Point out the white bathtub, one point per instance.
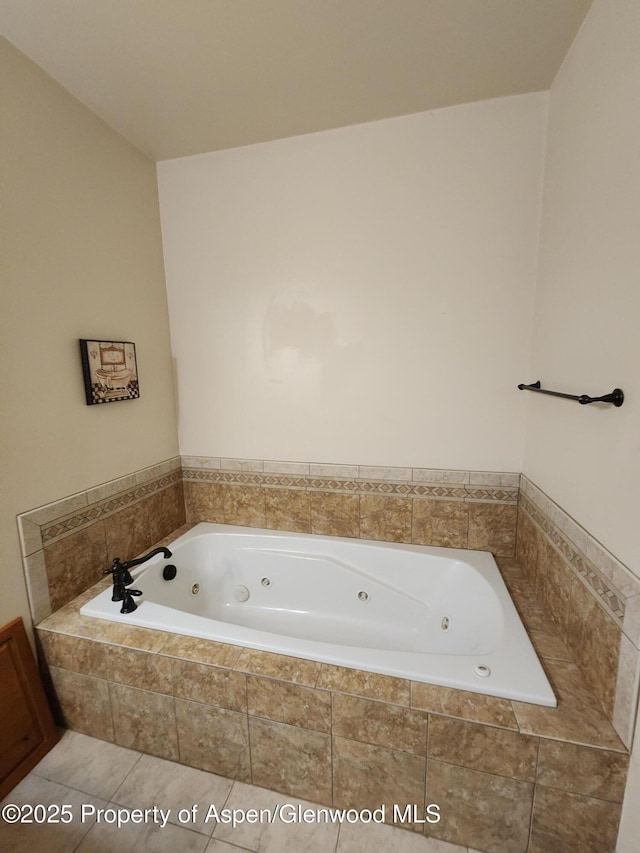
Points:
(437, 615)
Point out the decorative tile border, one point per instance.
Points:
(63, 527)
(479, 486)
(72, 513)
(615, 589)
(611, 599)
(611, 583)
(52, 523)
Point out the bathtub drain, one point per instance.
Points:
(195, 589)
(363, 596)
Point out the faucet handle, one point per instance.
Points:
(116, 566)
(120, 572)
(121, 580)
(128, 604)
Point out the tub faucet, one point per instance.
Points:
(122, 578)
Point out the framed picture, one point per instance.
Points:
(110, 371)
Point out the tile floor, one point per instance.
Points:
(89, 775)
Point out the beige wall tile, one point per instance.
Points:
(290, 759)
(439, 475)
(241, 464)
(385, 517)
(367, 776)
(287, 509)
(373, 472)
(538, 550)
(201, 651)
(208, 462)
(30, 535)
(209, 684)
(137, 527)
(482, 810)
(67, 619)
(129, 531)
(271, 665)
(616, 572)
(244, 505)
(548, 645)
(301, 468)
(485, 748)
(492, 527)
(66, 652)
(129, 666)
(577, 717)
(335, 514)
(631, 623)
(76, 563)
(119, 664)
(203, 501)
(84, 703)
(491, 478)
(213, 739)
(172, 512)
(132, 636)
(568, 822)
(319, 469)
(526, 542)
(554, 581)
(144, 721)
(379, 723)
(113, 487)
(462, 703)
(372, 685)
(440, 523)
(624, 711)
(289, 703)
(594, 638)
(581, 770)
(45, 515)
(35, 572)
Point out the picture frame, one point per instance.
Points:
(109, 370)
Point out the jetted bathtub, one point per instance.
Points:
(437, 615)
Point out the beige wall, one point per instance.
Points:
(82, 257)
(588, 300)
(361, 295)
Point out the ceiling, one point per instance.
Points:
(181, 77)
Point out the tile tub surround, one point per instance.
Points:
(507, 776)
(593, 599)
(66, 544)
(457, 509)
